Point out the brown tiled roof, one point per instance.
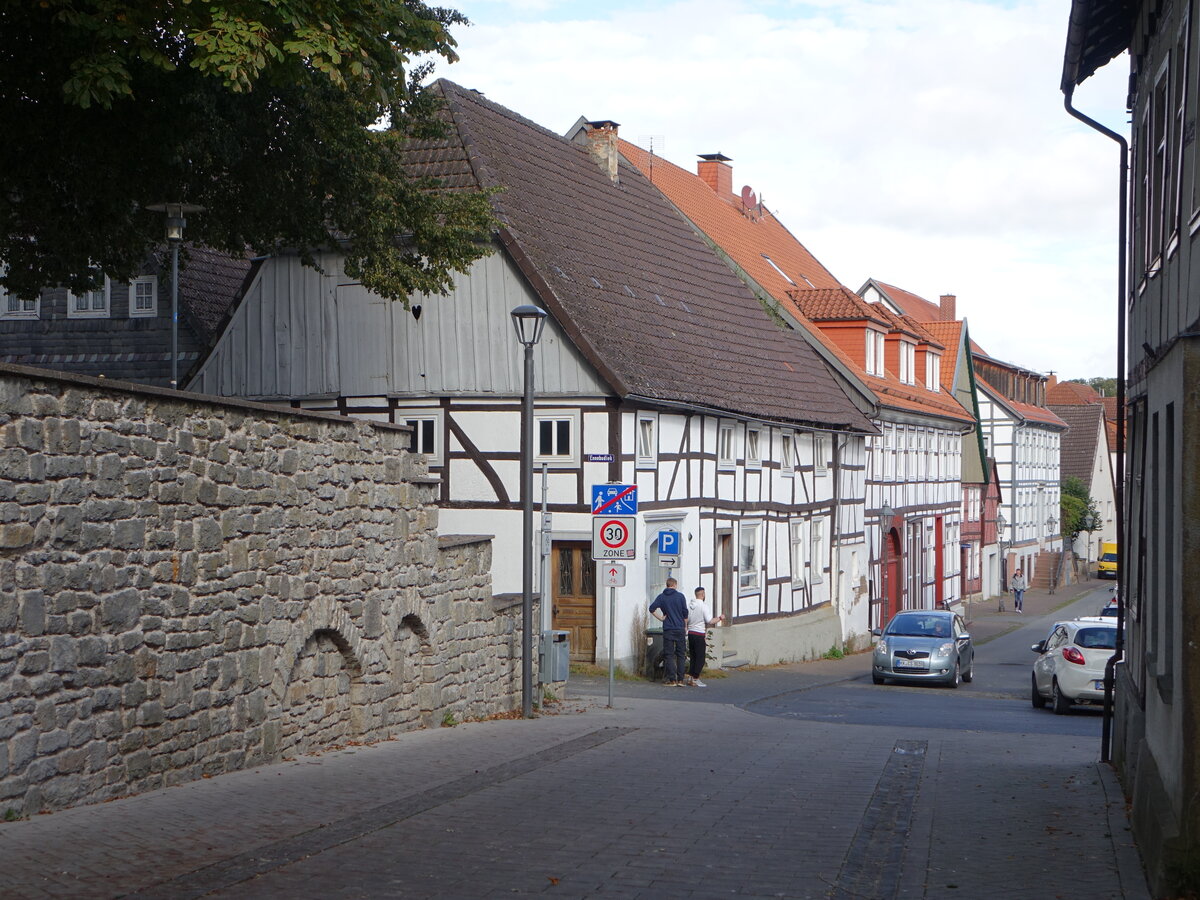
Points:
(948, 334)
(748, 237)
(210, 283)
(1078, 450)
(1067, 393)
(910, 304)
(1026, 411)
(636, 289)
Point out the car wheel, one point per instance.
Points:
(969, 675)
(956, 680)
(1035, 696)
(877, 678)
(1062, 703)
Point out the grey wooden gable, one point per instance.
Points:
(300, 333)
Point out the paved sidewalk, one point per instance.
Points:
(656, 798)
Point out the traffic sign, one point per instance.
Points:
(614, 537)
(669, 562)
(612, 575)
(614, 500)
(668, 543)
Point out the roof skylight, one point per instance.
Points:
(780, 271)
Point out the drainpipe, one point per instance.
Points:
(1122, 574)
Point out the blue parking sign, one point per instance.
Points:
(668, 543)
(614, 499)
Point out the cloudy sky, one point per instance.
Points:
(923, 143)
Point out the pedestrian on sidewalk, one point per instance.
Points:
(1019, 586)
(698, 620)
(671, 608)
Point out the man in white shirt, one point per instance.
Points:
(699, 618)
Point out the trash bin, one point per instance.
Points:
(556, 655)
(654, 653)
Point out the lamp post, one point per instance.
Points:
(176, 222)
(528, 321)
(1000, 525)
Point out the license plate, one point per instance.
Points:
(1099, 685)
(910, 664)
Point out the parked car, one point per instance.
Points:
(1070, 664)
(924, 645)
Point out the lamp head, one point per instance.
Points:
(528, 322)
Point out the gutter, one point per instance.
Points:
(1118, 656)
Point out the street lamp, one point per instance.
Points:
(176, 222)
(528, 321)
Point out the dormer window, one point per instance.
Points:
(90, 304)
(874, 352)
(908, 362)
(933, 371)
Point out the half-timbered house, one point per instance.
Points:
(657, 367)
(908, 556)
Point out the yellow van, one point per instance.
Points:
(1107, 566)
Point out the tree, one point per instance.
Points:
(1078, 510)
(262, 113)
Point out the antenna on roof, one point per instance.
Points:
(654, 144)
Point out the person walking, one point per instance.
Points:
(671, 608)
(698, 620)
(1019, 586)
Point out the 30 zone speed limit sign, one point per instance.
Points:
(614, 537)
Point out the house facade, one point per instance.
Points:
(122, 330)
(657, 367)
(1085, 456)
(910, 550)
(1157, 719)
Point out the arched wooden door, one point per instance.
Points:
(893, 582)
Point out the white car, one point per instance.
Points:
(1070, 664)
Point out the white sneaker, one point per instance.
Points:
(696, 682)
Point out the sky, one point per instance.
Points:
(923, 143)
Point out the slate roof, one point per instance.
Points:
(649, 304)
(748, 237)
(210, 283)
(1077, 456)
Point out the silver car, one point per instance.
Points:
(923, 645)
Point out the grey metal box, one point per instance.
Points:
(556, 655)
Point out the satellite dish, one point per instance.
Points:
(748, 199)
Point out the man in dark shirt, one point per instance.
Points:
(670, 608)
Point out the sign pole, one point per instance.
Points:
(612, 631)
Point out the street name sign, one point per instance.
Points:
(614, 537)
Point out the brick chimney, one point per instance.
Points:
(949, 314)
(717, 174)
(602, 144)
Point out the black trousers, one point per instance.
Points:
(697, 647)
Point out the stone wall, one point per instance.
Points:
(191, 586)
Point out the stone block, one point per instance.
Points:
(15, 535)
(120, 612)
(21, 750)
(53, 741)
(64, 654)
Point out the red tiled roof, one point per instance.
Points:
(749, 237)
(1071, 393)
(911, 305)
(949, 335)
(642, 296)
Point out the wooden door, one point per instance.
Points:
(725, 576)
(573, 579)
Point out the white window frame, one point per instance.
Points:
(933, 371)
(726, 446)
(787, 454)
(800, 550)
(908, 362)
(817, 554)
(436, 455)
(557, 460)
(13, 308)
(820, 466)
(754, 446)
(151, 311)
(880, 353)
(92, 311)
(749, 577)
(645, 438)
